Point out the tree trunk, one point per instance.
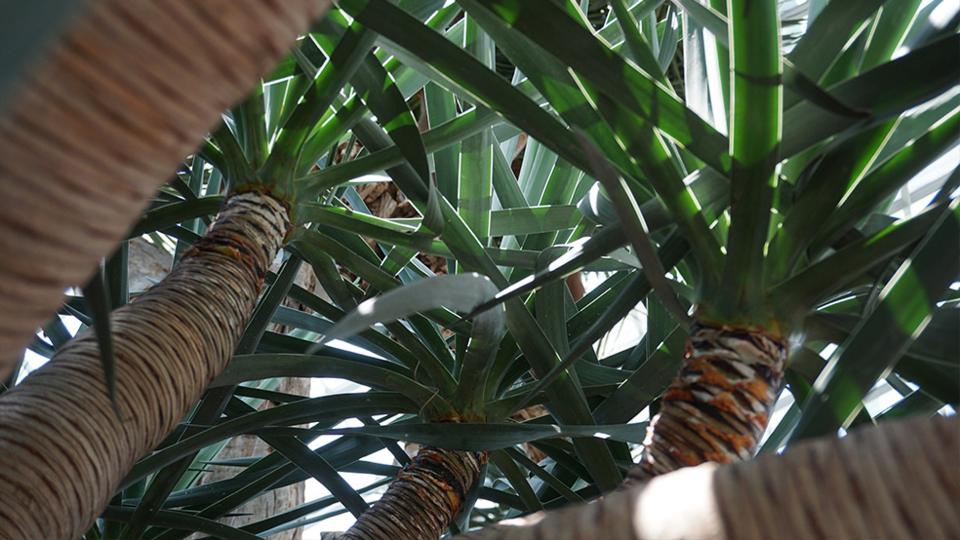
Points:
(281, 499)
(58, 426)
(147, 265)
(421, 503)
(267, 504)
(89, 135)
(718, 406)
(900, 480)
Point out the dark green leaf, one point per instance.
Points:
(906, 307)
(98, 301)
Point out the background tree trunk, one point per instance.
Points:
(70, 445)
(128, 91)
(270, 503)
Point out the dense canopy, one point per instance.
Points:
(527, 253)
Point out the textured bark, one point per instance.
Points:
(282, 499)
(385, 200)
(897, 481)
(58, 426)
(272, 502)
(147, 266)
(130, 89)
(718, 406)
(423, 500)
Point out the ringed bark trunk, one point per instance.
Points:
(718, 406)
(132, 87)
(58, 427)
(422, 502)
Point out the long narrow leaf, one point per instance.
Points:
(906, 307)
(98, 299)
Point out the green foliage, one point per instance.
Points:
(493, 118)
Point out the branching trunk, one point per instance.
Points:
(421, 503)
(131, 88)
(897, 481)
(65, 448)
(718, 406)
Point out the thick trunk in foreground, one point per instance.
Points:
(718, 406)
(65, 449)
(423, 500)
(900, 480)
(103, 120)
